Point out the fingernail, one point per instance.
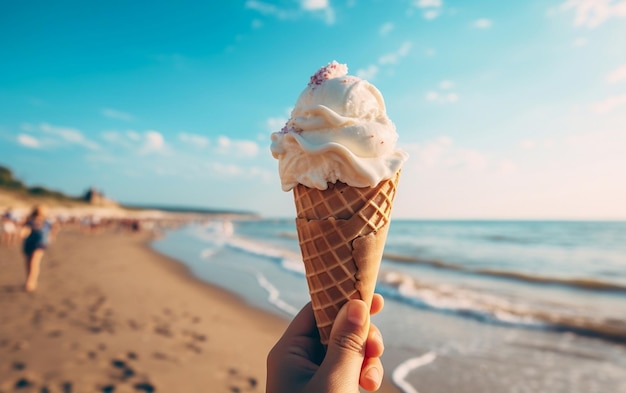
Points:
(356, 314)
(373, 375)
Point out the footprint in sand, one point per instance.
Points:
(19, 366)
(163, 330)
(108, 389)
(144, 387)
(36, 318)
(23, 383)
(164, 357)
(194, 348)
(134, 324)
(66, 387)
(69, 304)
(125, 372)
(241, 383)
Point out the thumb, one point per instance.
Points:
(346, 347)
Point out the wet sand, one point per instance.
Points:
(112, 315)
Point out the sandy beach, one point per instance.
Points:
(112, 315)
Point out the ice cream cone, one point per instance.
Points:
(342, 232)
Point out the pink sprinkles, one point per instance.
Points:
(332, 70)
(287, 128)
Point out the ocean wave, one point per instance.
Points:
(405, 368)
(289, 260)
(288, 235)
(274, 295)
(582, 283)
(493, 308)
(463, 301)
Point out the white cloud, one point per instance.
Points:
(116, 114)
(194, 139)
(442, 153)
(153, 142)
(431, 8)
(237, 147)
(319, 6)
(367, 73)
(432, 96)
(593, 13)
(111, 136)
(428, 3)
(441, 96)
(275, 124)
(482, 23)
(618, 75)
(394, 57)
(609, 104)
(142, 143)
(446, 84)
(452, 97)
(28, 141)
(268, 9)
(385, 60)
(311, 5)
(222, 169)
(68, 135)
(314, 7)
(133, 135)
(430, 14)
(386, 28)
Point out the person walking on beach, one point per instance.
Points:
(298, 362)
(8, 229)
(37, 232)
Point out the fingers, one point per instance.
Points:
(372, 370)
(378, 302)
(346, 349)
(371, 374)
(374, 346)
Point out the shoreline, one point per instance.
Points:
(113, 313)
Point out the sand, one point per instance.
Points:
(112, 315)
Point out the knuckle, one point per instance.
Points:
(349, 342)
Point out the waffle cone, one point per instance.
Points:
(342, 232)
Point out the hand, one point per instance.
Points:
(299, 363)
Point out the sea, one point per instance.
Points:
(500, 306)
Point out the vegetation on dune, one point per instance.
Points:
(8, 182)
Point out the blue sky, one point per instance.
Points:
(508, 109)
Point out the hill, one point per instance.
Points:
(14, 193)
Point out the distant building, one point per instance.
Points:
(97, 198)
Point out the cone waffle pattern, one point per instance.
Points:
(342, 232)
